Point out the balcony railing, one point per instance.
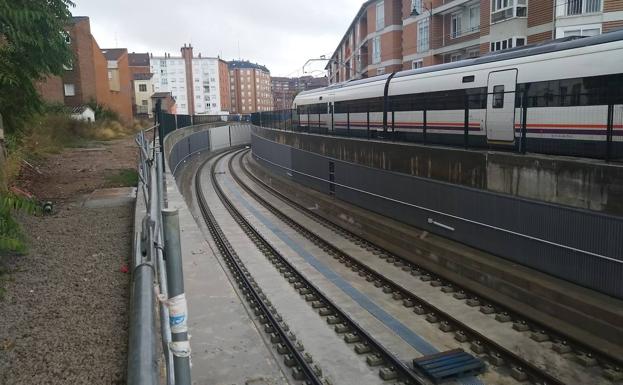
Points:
(468, 31)
(578, 7)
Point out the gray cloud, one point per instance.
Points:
(280, 34)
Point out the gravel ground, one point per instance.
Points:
(63, 318)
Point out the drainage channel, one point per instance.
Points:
(520, 368)
(302, 368)
(391, 368)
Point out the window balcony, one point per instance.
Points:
(578, 7)
(465, 32)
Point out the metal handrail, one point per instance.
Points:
(149, 275)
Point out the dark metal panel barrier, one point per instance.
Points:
(577, 245)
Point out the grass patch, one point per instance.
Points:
(126, 177)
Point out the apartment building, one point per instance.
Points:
(440, 31)
(249, 87)
(87, 78)
(284, 89)
(199, 85)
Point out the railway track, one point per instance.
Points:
(521, 369)
(390, 367)
(302, 369)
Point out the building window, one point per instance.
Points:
(506, 9)
(109, 75)
(70, 89)
(417, 64)
(380, 15)
(455, 25)
(380, 71)
(376, 50)
(474, 18)
(142, 87)
(473, 53)
(579, 30)
(455, 57)
(144, 102)
(416, 7)
(508, 43)
(422, 35)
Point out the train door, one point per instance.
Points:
(500, 120)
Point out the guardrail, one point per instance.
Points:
(159, 237)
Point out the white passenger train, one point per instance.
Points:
(569, 94)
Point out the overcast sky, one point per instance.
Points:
(281, 34)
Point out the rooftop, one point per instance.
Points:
(142, 76)
(138, 59)
(246, 64)
(113, 53)
(161, 95)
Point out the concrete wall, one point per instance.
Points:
(579, 183)
(182, 144)
(580, 246)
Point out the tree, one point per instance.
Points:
(32, 47)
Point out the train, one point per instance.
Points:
(564, 97)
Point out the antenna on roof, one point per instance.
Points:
(239, 57)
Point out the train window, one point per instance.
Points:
(498, 97)
(468, 79)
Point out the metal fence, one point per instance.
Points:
(558, 123)
(156, 242)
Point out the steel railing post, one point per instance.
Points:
(180, 345)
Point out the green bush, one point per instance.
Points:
(11, 237)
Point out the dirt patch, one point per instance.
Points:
(64, 312)
(80, 170)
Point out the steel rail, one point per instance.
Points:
(240, 272)
(492, 347)
(394, 363)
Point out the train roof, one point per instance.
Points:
(529, 50)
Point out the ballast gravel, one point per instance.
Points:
(63, 319)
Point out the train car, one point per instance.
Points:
(562, 97)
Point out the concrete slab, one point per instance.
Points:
(338, 361)
(227, 347)
(110, 197)
(395, 326)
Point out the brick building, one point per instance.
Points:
(119, 82)
(390, 35)
(199, 85)
(285, 89)
(250, 87)
(87, 78)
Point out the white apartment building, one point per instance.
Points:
(194, 82)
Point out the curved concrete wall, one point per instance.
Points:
(580, 246)
(183, 143)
